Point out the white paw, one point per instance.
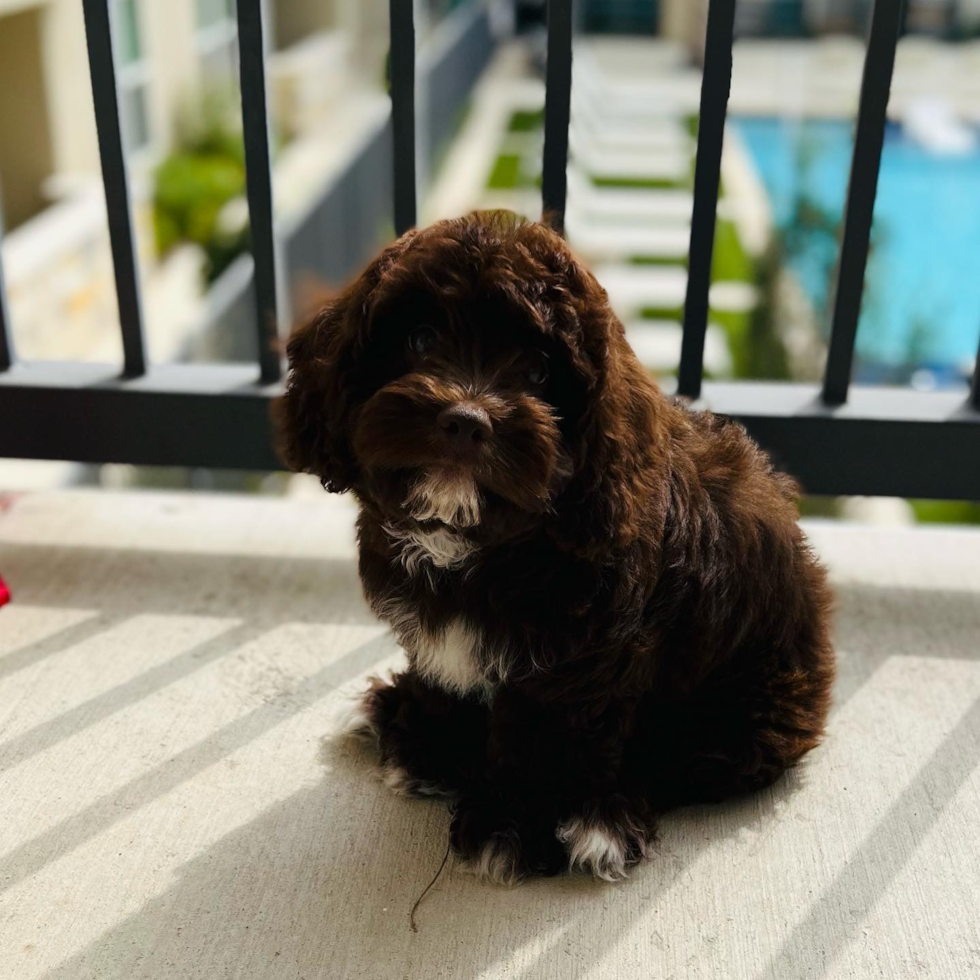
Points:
(600, 849)
(358, 723)
(359, 720)
(402, 783)
(498, 860)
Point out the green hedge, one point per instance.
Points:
(194, 184)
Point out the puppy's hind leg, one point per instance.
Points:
(725, 741)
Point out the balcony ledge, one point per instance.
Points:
(171, 665)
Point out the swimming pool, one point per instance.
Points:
(922, 296)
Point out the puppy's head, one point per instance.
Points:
(473, 376)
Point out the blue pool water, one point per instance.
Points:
(922, 296)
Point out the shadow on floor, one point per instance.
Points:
(320, 884)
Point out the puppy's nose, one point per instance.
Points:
(465, 425)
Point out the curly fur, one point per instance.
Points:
(653, 628)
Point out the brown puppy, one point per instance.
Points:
(607, 604)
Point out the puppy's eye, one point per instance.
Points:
(537, 371)
(421, 340)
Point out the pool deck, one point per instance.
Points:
(176, 805)
(822, 77)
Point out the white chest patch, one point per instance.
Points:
(451, 658)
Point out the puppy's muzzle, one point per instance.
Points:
(465, 427)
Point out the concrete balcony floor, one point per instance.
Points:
(173, 806)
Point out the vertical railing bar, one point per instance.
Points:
(402, 80)
(8, 352)
(886, 21)
(102, 68)
(258, 179)
(557, 113)
(716, 84)
(975, 387)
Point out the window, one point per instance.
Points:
(133, 75)
(217, 33)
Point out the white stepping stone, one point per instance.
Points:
(657, 345)
(672, 165)
(605, 242)
(626, 204)
(632, 288)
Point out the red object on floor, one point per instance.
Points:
(4, 592)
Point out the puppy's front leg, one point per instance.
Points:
(430, 742)
(554, 798)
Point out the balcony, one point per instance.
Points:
(174, 668)
(175, 805)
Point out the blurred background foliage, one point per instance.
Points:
(199, 189)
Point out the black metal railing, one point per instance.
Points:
(715, 86)
(258, 181)
(105, 92)
(557, 113)
(835, 438)
(403, 112)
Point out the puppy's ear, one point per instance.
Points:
(619, 447)
(311, 415)
(314, 416)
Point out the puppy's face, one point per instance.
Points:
(463, 402)
(455, 382)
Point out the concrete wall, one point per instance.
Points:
(46, 96)
(169, 38)
(365, 23)
(684, 21)
(73, 136)
(293, 20)
(25, 144)
(170, 41)
(62, 104)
